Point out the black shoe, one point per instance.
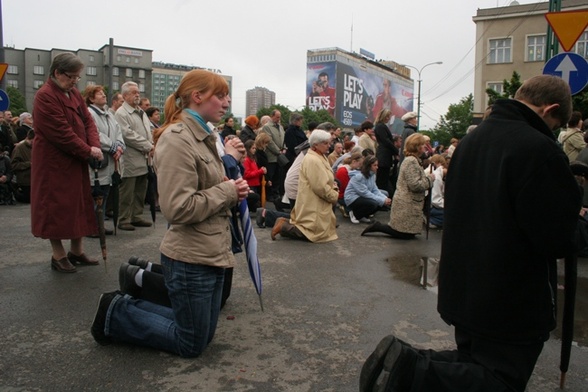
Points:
(371, 228)
(126, 279)
(99, 322)
(142, 263)
(259, 219)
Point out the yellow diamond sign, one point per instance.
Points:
(568, 26)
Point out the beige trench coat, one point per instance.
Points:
(406, 215)
(313, 212)
(194, 198)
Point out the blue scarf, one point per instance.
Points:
(198, 119)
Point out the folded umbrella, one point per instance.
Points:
(98, 196)
(151, 190)
(116, 180)
(251, 248)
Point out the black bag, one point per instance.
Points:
(283, 160)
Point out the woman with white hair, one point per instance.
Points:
(312, 218)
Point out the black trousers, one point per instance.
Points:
(477, 365)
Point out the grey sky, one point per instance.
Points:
(264, 43)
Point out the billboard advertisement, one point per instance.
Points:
(363, 94)
(352, 94)
(320, 86)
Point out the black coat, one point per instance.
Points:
(511, 206)
(293, 137)
(386, 149)
(247, 134)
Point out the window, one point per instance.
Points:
(38, 70)
(91, 58)
(37, 84)
(496, 86)
(536, 48)
(129, 73)
(12, 83)
(141, 74)
(115, 86)
(91, 71)
(12, 70)
(128, 59)
(499, 51)
(136, 60)
(90, 83)
(118, 58)
(141, 87)
(115, 71)
(582, 45)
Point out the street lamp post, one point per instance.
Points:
(419, 87)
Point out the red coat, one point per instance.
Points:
(62, 206)
(252, 173)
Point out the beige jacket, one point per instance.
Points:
(313, 212)
(136, 132)
(573, 143)
(194, 198)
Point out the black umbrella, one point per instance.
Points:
(428, 207)
(567, 328)
(116, 180)
(99, 200)
(151, 190)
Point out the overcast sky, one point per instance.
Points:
(264, 43)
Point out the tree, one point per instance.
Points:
(18, 103)
(509, 88)
(455, 123)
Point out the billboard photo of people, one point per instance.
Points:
(320, 90)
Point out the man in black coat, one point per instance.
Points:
(511, 207)
(294, 136)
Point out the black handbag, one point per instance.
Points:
(283, 160)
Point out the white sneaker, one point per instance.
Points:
(353, 218)
(366, 220)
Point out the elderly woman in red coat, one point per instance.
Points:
(65, 139)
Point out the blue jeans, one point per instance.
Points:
(186, 329)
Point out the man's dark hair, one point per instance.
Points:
(151, 110)
(366, 125)
(574, 119)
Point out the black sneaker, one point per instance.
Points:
(134, 260)
(259, 219)
(126, 279)
(99, 322)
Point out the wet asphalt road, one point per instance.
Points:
(326, 308)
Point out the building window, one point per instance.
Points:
(129, 73)
(141, 74)
(90, 83)
(115, 71)
(536, 48)
(500, 50)
(38, 70)
(582, 45)
(91, 58)
(12, 83)
(136, 60)
(37, 84)
(496, 86)
(115, 86)
(91, 71)
(118, 58)
(141, 87)
(12, 70)
(128, 59)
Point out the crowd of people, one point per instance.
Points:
(206, 168)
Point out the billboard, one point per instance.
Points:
(353, 94)
(320, 90)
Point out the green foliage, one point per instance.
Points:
(455, 123)
(308, 114)
(509, 88)
(18, 103)
(580, 102)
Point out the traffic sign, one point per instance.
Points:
(3, 68)
(571, 67)
(568, 26)
(4, 101)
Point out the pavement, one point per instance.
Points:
(326, 308)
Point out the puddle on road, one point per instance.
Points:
(408, 269)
